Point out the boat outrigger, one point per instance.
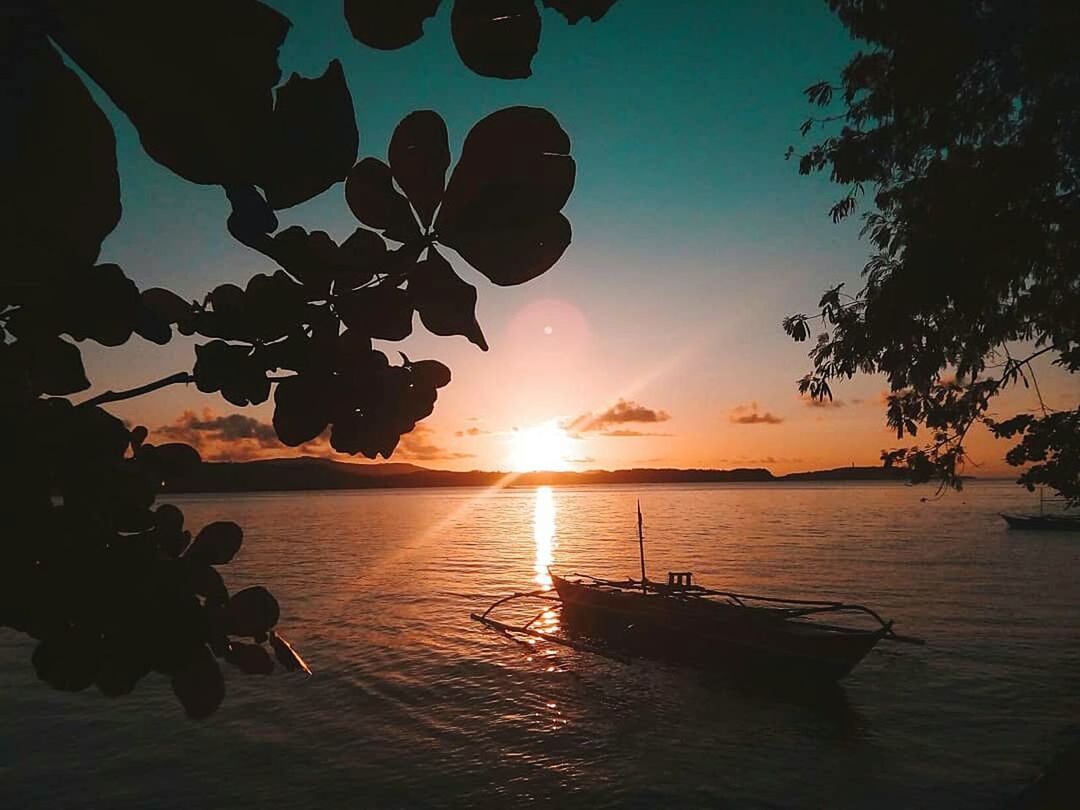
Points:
(686, 623)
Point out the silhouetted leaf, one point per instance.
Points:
(359, 258)
(515, 167)
(316, 137)
(514, 255)
(100, 303)
(574, 10)
(388, 26)
(198, 683)
(217, 543)
(150, 327)
(496, 37)
(383, 312)
(429, 373)
(123, 665)
(68, 661)
(301, 409)
(447, 305)
(370, 193)
(252, 218)
(419, 157)
(63, 170)
(206, 581)
(220, 366)
(289, 658)
(250, 612)
(55, 366)
(251, 659)
(176, 458)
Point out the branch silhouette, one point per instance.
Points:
(110, 584)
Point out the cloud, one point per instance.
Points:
(418, 446)
(233, 437)
(621, 413)
(810, 402)
(473, 431)
(749, 415)
(624, 432)
(236, 437)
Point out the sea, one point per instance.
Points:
(411, 704)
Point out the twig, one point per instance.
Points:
(117, 396)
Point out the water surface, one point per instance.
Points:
(414, 705)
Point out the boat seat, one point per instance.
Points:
(680, 579)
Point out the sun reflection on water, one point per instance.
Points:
(544, 535)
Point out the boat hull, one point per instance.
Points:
(742, 641)
(1046, 523)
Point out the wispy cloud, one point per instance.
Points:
(236, 437)
(233, 437)
(622, 412)
(472, 431)
(751, 415)
(419, 446)
(810, 402)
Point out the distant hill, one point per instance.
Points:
(305, 473)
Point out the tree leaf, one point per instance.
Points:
(574, 10)
(61, 179)
(69, 662)
(198, 683)
(446, 303)
(515, 167)
(289, 658)
(496, 37)
(251, 612)
(383, 312)
(217, 543)
(195, 78)
(514, 255)
(251, 659)
(419, 157)
(359, 258)
(315, 139)
(371, 196)
(301, 409)
(388, 26)
(55, 366)
(429, 374)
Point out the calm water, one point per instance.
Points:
(414, 705)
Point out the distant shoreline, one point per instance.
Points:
(307, 474)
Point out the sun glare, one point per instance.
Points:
(541, 447)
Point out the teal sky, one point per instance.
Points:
(693, 236)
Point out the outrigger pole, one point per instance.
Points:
(641, 547)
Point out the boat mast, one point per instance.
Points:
(641, 546)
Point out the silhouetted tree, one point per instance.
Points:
(962, 120)
(111, 586)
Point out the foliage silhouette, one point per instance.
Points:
(496, 38)
(111, 586)
(965, 123)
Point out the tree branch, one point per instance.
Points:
(117, 396)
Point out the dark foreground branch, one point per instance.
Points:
(117, 396)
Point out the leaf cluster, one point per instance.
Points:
(112, 585)
(960, 125)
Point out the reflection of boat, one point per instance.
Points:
(1056, 523)
(687, 623)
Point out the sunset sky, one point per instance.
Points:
(656, 340)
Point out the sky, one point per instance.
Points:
(656, 340)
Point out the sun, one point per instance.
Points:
(541, 447)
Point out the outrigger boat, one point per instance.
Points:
(1054, 521)
(744, 634)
